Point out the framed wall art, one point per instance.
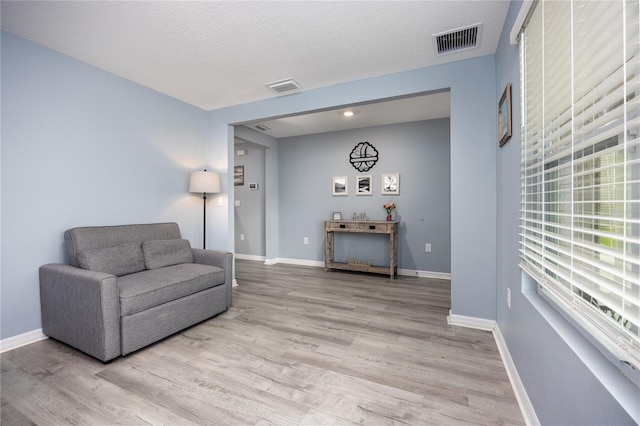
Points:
(504, 116)
(363, 185)
(340, 185)
(390, 184)
(363, 157)
(238, 176)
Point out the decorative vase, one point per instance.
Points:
(389, 217)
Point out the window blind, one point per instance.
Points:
(580, 175)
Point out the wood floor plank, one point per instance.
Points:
(299, 346)
(10, 416)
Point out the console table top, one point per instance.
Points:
(362, 221)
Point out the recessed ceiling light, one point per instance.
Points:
(348, 113)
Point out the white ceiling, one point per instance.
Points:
(213, 54)
(425, 107)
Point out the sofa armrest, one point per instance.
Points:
(221, 259)
(81, 308)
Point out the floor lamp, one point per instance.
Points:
(203, 183)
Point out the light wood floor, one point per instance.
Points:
(299, 346)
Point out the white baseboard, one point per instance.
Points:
(425, 274)
(528, 412)
(249, 257)
(299, 262)
(320, 264)
(23, 339)
(471, 322)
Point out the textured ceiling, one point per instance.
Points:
(213, 54)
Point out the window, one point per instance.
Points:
(580, 179)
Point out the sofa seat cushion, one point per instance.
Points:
(146, 289)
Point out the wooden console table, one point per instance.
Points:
(361, 227)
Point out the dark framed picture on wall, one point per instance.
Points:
(504, 116)
(363, 185)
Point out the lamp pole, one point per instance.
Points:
(204, 220)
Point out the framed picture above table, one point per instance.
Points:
(340, 185)
(363, 185)
(390, 184)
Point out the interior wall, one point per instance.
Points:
(271, 193)
(473, 159)
(83, 147)
(555, 363)
(418, 152)
(249, 203)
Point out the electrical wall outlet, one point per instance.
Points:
(427, 248)
(306, 240)
(241, 237)
(508, 298)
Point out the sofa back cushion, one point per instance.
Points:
(118, 260)
(78, 240)
(161, 253)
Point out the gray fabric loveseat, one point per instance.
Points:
(131, 285)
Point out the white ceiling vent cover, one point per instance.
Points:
(284, 85)
(457, 40)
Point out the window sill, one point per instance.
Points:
(622, 388)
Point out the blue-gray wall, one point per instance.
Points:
(271, 197)
(250, 213)
(554, 362)
(418, 151)
(84, 147)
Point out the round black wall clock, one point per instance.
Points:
(363, 157)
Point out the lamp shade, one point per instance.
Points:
(204, 182)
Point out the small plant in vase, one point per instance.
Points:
(389, 208)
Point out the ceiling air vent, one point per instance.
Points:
(283, 85)
(457, 40)
(263, 127)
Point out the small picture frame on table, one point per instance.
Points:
(337, 215)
